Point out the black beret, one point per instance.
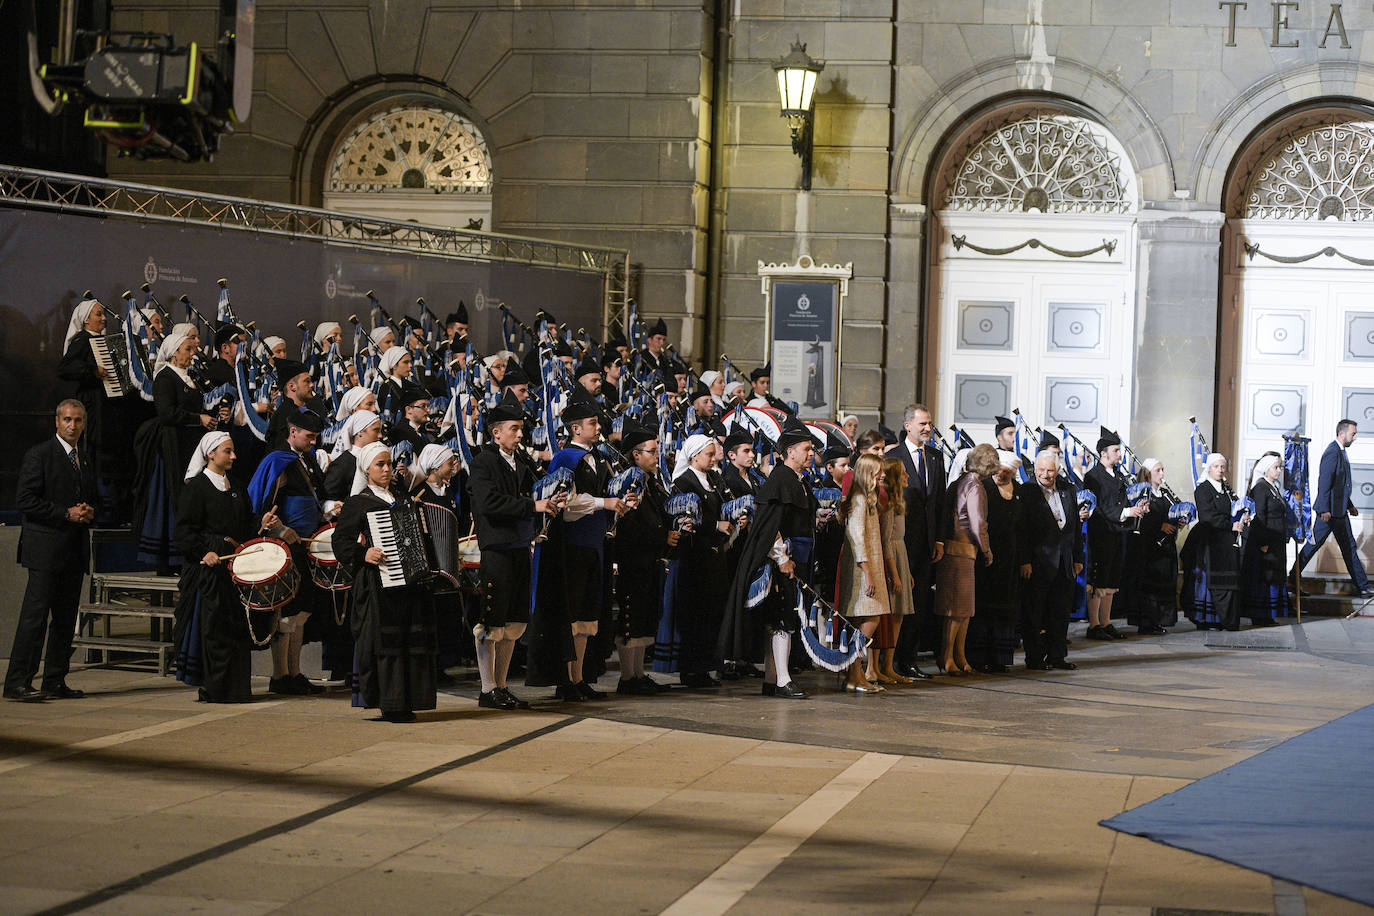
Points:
(514, 376)
(736, 439)
(658, 327)
(586, 367)
(458, 315)
(287, 369)
(632, 434)
(1003, 423)
(504, 411)
(578, 409)
(226, 332)
(764, 371)
(307, 420)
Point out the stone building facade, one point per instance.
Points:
(1056, 205)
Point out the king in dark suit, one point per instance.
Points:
(56, 488)
(925, 501)
(1333, 507)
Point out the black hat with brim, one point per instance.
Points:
(307, 420)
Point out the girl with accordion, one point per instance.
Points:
(393, 628)
(1211, 557)
(1152, 556)
(1265, 564)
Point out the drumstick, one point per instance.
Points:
(230, 556)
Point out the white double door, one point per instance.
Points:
(1048, 334)
(1297, 345)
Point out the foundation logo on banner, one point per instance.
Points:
(150, 271)
(331, 289)
(479, 301)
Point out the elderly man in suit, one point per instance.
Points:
(925, 500)
(55, 492)
(1333, 507)
(1055, 539)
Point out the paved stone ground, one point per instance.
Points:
(967, 795)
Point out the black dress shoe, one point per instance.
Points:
(699, 681)
(63, 692)
(789, 691)
(307, 686)
(287, 687)
(730, 672)
(1063, 665)
(653, 684)
(911, 671)
(634, 687)
(492, 699)
(567, 693)
(1037, 666)
(25, 694)
(1113, 632)
(587, 691)
(401, 716)
(512, 698)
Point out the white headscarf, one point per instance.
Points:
(844, 418)
(184, 328)
(1008, 458)
(709, 377)
(78, 322)
(271, 342)
(357, 421)
(731, 389)
(1212, 459)
(148, 314)
(956, 467)
(324, 329)
(366, 455)
(350, 401)
(208, 443)
(1261, 468)
(431, 457)
(379, 334)
(690, 449)
(170, 344)
(389, 360)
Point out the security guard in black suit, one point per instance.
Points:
(55, 492)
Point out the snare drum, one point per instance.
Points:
(470, 564)
(325, 570)
(264, 574)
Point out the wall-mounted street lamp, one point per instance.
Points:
(797, 75)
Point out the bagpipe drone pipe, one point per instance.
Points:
(685, 511)
(623, 485)
(553, 485)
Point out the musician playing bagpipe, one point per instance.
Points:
(163, 446)
(1212, 554)
(588, 387)
(211, 631)
(1151, 581)
(1106, 550)
(290, 480)
(411, 426)
(740, 480)
(570, 593)
(761, 380)
(704, 410)
(779, 540)
(503, 513)
(393, 627)
(297, 394)
(643, 539)
(222, 371)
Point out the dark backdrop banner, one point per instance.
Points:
(48, 259)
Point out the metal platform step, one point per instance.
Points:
(126, 610)
(108, 644)
(134, 581)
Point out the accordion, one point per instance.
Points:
(111, 353)
(443, 532)
(401, 532)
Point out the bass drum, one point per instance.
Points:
(325, 569)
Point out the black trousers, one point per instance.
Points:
(50, 602)
(921, 631)
(1045, 607)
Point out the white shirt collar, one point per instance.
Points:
(384, 495)
(219, 480)
(1216, 484)
(510, 458)
(701, 475)
(65, 447)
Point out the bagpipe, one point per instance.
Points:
(738, 511)
(1242, 507)
(685, 511)
(626, 483)
(827, 502)
(1137, 494)
(1078, 458)
(555, 484)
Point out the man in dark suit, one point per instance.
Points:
(55, 481)
(1333, 507)
(925, 501)
(1056, 551)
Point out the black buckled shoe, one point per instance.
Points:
(789, 691)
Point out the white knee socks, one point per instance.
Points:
(486, 651)
(782, 648)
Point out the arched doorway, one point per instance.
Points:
(412, 161)
(1297, 330)
(1033, 274)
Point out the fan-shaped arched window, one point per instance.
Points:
(1048, 162)
(412, 161)
(1316, 172)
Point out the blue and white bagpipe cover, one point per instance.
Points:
(553, 484)
(630, 480)
(830, 640)
(1087, 498)
(685, 511)
(1137, 493)
(1240, 507)
(827, 501)
(738, 510)
(402, 453)
(1182, 513)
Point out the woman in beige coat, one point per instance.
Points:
(862, 591)
(966, 537)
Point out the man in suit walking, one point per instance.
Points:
(1333, 508)
(56, 481)
(1056, 558)
(925, 500)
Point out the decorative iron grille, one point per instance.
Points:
(1316, 173)
(1046, 162)
(413, 147)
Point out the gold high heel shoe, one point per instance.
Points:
(892, 677)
